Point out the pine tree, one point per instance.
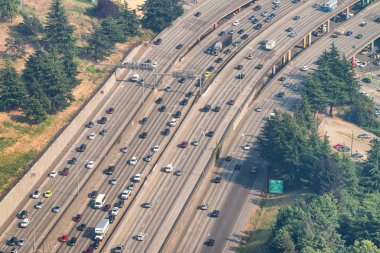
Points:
(9, 9)
(12, 88)
(99, 46)
(34, 110)
(128, 21)
(370, 178)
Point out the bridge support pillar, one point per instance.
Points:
(215, 26)
(309, 41)
(328, 25)
(304, 42)
(347, 13)
(274, 70)
(353, 62)
(284, 59)
(290, 55)
(373, 46)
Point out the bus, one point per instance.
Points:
(99, 201)
(329, 5)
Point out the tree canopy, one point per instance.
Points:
(9, 9)
(12, 88)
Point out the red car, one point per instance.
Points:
(110, 110)
(77, 218)
(89, 250)
(65, 172)
(63, 238)
(338, 146)
(184, 144)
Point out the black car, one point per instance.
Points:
(189, 94)
(198, 14)
(111, 218)
(162, 108)
(179, 46)
(231, 102)
(23, 214)
(177, 115)
(210, 242)
(166, 132)
(258, 26)
(240, 75)
(158, 41)
(82, 227)
(244, 37)
(119, 203)
(95, 244)
(110, 110)
(109, 170)
(159, 101)
(143, 121)
(93, 194)
(103, 120)
(227, 51)
(219, 60)
(72, 160)
(90, 124)
(366, 80)
(200, 81)
(239, 67)
(237, 166)
(210, 134)
(103, 132)
(210, 69)
(217, 179)
(280, 94)
(206, 108)
(182, 80)
(216, 109)
(260, 66)
(214, 213)
(283, 78)
(228, 159)
(257, 8)
(12, 241)
(72, 241)
(81, 148)
(221, 33)
(254, 21)
(143, 135)
(184, 101)
(241, 31)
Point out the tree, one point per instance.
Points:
(128, 21)
(15, 47)
(283, 242)
(326, 175)
(370, 173)
(361, 112)
(364, 246)
(159, 14)
(106, 8)
(99, 46)
(31, 26)
(12, 88)
(34, 110)
(9, 9)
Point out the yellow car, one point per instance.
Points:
(48, 193)
(206, 74)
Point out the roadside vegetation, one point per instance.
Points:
(48, 67)
(343, 214)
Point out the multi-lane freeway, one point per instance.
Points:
(169, 192)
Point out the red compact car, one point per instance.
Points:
(63, 238)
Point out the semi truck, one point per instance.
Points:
(329, 5)
(101, 229)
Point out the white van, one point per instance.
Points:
(125, 194)
(173, 123)
(135, 78)
(169, 168)
(99, 201)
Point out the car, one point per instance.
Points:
(231, 102)
(95, 244)
(133, 160)
(258, 109)
(203, 206)
(53, 174)
(184, 102)
(255, 21)
(168, 88)
(281, 94)
(143, 121)
(65, 172)
(210, 242)
(48, 193)
(36, 194)
(236, 23)
(110, 170)
(292, 34)
(189, 94)
(239, 67)
(359, 36)
(72, 241)
(21, 242)
(13, 250)
(288, 85)
(259, 66)
(157, 42)
(12, 241)
(82, 227)
(222, 33)
(264, 14)
(148, 158)
(177, 114)
(63, 238)
(228, 159)
(258, 26)
(106, 207)
(216, 109)
(296, 17)
(364, 136)
(179, 46)
(120, 203)
(210, 133)
(110, 110)
(195, 143)
(357, 155)
(249, 57)
(166, 132)
(206, 108)
(336, 146)
(235, 44)
(366, 80)
(244, 37)
(183, 144)
(115, 211)
(215, 213)
(178, 172)
(81, 148)
(90, 124)
(247, 146)
(197, 14)
(119, 249)
(219, 60)
(90, 249)
(210, 69)
(238, 166)
(131, 186)
(289, 29)
(283, 78)
(103, 132)
(103, 120)
(113, 181)
(232, 31)
(147, 204)
(305, 68)
(227, 51)
(25, 222)
(159, 101)
(257, 8)
(72, 161)
(93, 194)
(90, 164)
(140, 236)
(137, 177)
(348, 33)
(363, 23)
(241, 31)
(217, 179)
(56, 209)
(39, 205)
(344, 149)
(162, 108)
(143, 135)
(206, 74)
(156, 148)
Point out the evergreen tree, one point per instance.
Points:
(34, 110)
(9, 9)
(70, 66)
(12, 88)
(100, 46)
(159, 14)
(364, 246)
(361, 112)
(283, 242)
(128, 21)
(31, 26)
(106, 8)
(370, 175)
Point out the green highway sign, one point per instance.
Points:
(276, 186)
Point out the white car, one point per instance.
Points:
(124, 149)
(36, 194)
(276, 1)
(133, 160)
(247, 147)
(53, 174)
(39, 205)
(173, 123)
(57, 209)
(115, 211)
(137, 177)
(203, 206)
(258, 109)
(156, 148)
(113, 181)
(305, 68)
(92, 136)
(195, 143)
(140, 236)
(125, 194)
(25, 222)
(235, 23)
(90, 164)
(168, 88)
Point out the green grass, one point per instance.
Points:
(11, 165)
(18, 128)
(263, 221)
(6, 142)
(42, 126)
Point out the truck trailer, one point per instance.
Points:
(101, 229)
(329, 5)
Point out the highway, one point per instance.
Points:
(64, 190)
(237, 190)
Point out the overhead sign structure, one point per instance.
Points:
(276, 186)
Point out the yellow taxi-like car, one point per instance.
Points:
(206, 74)
(48, 193)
